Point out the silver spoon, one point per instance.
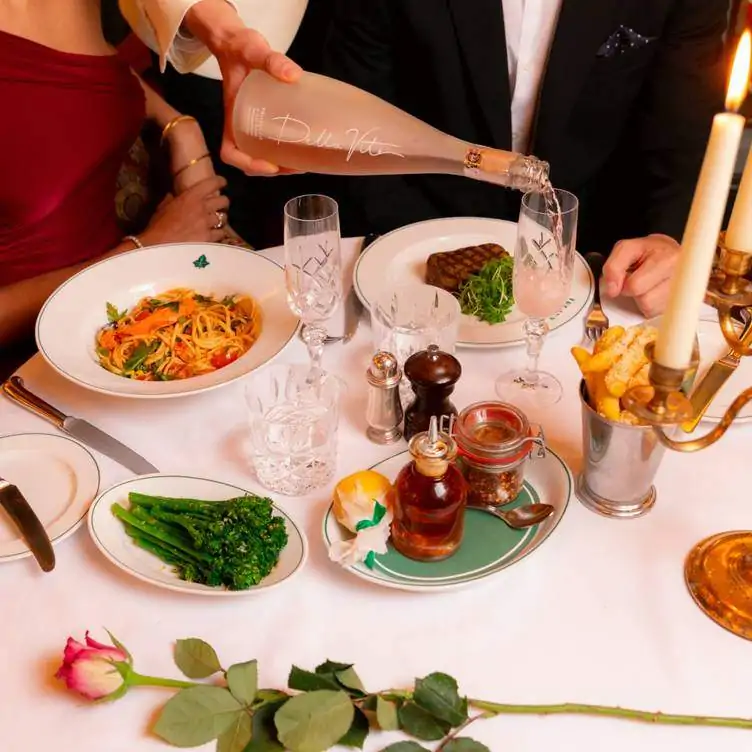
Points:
(520, 517)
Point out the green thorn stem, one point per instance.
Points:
(139, 680)
(644, 716)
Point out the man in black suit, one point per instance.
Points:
(621, 108)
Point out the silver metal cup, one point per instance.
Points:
(619, 464)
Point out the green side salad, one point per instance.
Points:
(488, 294)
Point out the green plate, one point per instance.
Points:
(488, 545)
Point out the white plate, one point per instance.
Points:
(56, 475)
(71, 317)
(112, 540)
(399, 257)
(712, 347)
(489, 545)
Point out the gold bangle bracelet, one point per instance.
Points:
(190, 164)
(173, 123)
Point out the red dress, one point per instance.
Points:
(68, 122)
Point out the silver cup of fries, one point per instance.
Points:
(620, 456)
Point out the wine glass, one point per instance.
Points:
(313, 266)
(543, 266)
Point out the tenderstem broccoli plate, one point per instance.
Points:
(197, 535)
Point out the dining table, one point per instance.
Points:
(599, 613)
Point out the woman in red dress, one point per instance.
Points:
(72, 109)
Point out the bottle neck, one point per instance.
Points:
(508, 169)
(430, 467)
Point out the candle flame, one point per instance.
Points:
(739, 82)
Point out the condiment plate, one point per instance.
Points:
(399, 257)
(56, 475)
(489, 545)
(111, 539)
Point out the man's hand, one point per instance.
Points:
(238, 50)
(641, 268)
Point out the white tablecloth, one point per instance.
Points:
(598, 614)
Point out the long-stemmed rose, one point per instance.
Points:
(325, 707)
(104, 672)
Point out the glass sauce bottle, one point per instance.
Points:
(429, 499)
(432, 375)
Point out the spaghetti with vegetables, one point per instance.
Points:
(177, 334)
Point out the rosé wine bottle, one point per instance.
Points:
(322, 125)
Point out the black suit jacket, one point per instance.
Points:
(626, 133)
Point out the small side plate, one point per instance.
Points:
(112, 540)
(488, 546)
(57, 476)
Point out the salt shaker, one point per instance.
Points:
(384, 410)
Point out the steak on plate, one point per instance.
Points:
(449, 269)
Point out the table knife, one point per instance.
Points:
(79, 429)
(353, 306)
(717, 375)
(32, 530)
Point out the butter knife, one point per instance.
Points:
(79, 429)
(32, 530)
(715, 377)
(353, 306)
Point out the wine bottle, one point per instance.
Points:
(319, 124)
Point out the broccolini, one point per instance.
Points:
(233, 543)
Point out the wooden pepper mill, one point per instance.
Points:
(432, 374)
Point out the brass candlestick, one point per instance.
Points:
(718, 570)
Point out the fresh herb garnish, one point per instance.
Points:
(488, 294)
(139, 355)
(201, 298)
(113, 314)
(228, 300)
(103, 351)
(174, 305)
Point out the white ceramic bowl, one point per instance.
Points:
(71, 317)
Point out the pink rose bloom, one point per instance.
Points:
(88, 668)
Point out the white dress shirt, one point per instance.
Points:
(529, 26)
(157, 24)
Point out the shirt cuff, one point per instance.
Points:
(158, 24)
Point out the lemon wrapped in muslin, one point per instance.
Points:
(362, 505)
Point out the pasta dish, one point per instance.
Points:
(177, 334)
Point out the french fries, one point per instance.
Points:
(617, 364)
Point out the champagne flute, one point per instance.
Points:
(313, 266)
(543, 266)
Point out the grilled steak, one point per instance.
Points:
(450, 269)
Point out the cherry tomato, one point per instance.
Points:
(222, 359)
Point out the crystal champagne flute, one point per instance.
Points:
(313, 266)
(543, 266)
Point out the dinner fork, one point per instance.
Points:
(596, 322)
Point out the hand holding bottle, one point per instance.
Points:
(239, 50)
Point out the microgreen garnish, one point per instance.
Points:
(488, 294)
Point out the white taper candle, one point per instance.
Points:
(676, 336)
